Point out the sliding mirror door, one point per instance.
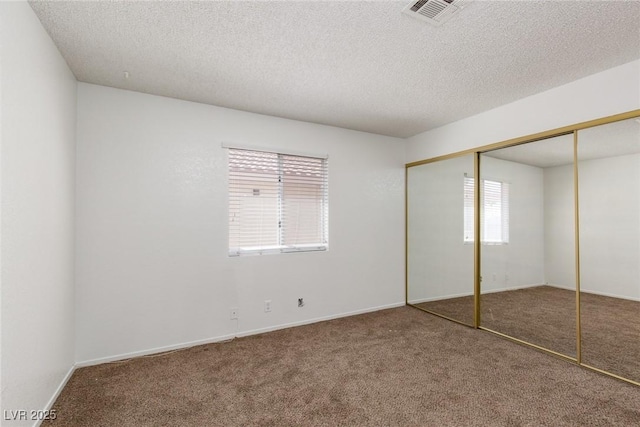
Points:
(609, 208)
(528, 285)
(440, 269)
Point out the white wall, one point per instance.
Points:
(609, 226)
(559, 232)
(609, 207)
(610, 92)
(152, 264)
(38, 108)
(521, 262)
(440, 264)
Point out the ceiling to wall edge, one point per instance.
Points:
(561, 131)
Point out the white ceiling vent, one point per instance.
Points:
(434, 11)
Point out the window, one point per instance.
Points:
(494, 211)
(277, 202)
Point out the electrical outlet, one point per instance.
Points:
(300, 302)
(267, 306)
(234, 313)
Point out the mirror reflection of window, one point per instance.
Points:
(494, 207)
(440, 274)
(528, 250)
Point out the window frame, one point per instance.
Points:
(320, 197)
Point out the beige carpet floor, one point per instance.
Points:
(398, 367)
(546, 316)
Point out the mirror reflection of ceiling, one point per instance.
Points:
(611, 140)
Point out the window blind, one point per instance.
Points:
(494, 211)
(469, 213)
(277, 202)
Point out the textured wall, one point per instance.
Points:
(38, 109)
(609, 226)
(152, 263)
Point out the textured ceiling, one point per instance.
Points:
(357, 65)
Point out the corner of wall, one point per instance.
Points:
(38, 116)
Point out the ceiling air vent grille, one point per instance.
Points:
(434, 11)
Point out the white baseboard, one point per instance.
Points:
(468, 294)
(163, 349)
(56, 393)
(155, 350)
(421, 300)
(604, 294)
(317, 319)
(513, 288)
(567, 288)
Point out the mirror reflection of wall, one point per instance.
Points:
(609, 206)
(529, 256)
(440, 257)
(528, 250)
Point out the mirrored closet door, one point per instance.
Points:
(440, 257)
(528, 284)
(556, 262)
(609, 218)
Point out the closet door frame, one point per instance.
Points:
(566, 130)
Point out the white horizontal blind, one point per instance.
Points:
(505, 212)
(469, 213)
(253, 200)
(277, 202)
(304, 201)
(494, 211)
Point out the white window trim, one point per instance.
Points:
(274, 150)
(284, 248)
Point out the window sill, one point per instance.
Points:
(277, 250)
(489, 243)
